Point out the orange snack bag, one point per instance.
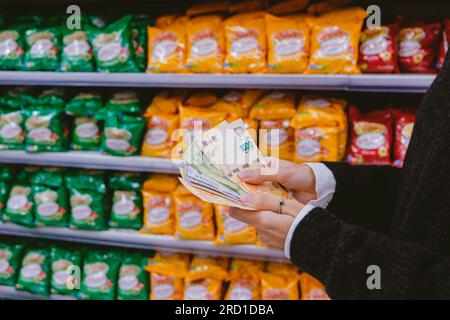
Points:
(203, 289)
(205, 44)
(194, 218)
(167, 272)
(245, 281)
(165, 20)
(252, 127)
(237, 103)
(287, 7)
(274, 287)
(166, 48)
(159, 140)
(316, 144)
(311, 288)
(167, 102)
(159, 216)
(288, 44)
(231, 231)
(334, 42)
(281, 269)
(277, 105)
(246, 48)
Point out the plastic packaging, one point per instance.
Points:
(34, 275)
(63, 259)
(10, 259)
(231, 231)
(133, 279)
(404, 124)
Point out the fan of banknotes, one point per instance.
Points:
(213, 159)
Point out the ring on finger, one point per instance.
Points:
(280, 208)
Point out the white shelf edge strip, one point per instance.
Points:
(365, 82)
(12, 293)
(134, 239)
(91, 160)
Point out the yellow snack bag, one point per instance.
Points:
(203, 266)
(316, 144)
(205, 44)
(167, 102)
(161, 182)
(200, 99)
(237, 103)
(311, 288)
(285, 270)
(166, 48)
(245, 281)
(288, 44)
(274, 287)
(159, 138)
(207, 7)
(203, 289)
(193, 217)
(246, 49)
(165, 20)
(287, 7)
(231, 231)
(276, 138)
(277, 105)
(167, 272)
(334, 42)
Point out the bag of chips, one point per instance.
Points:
(100, 271)
(12, 134)
(288, 44)
(159, 139)
(166, 47)
(444, 44)
(167, 273)
(404, 124)
(371, 137)
(139, 39)
(231, 231)
(208, 267)
(245, 281)
(50, 206)
(418, 47)
(4, 192)
(166, 102)
(279, 282)
(334, 42)
(277, 105)
(77, 53)
(51, 98)
(17, 98)
(64, 263)
(113, 47)
(133, 278)
(205, 44)
(19, 207)
(193, 217)
(43, 49)
(11, 48)
(126, 102)
(245, 39)
(378, 49)
(207, 7)
(10, 258)
(237, 103)
(159, 215)
(34, 275)
(311, 288)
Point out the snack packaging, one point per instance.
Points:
(43, 49)
(378, 49)
(166, 102)
(4, 192)
(287, 7)
(371, 137)
(125, 181)
(17, 98)
(245, 281)
(231, 231)
(325, 6)
(77, 55)
(277, 105)
(113, 47)
(167, 272)
(311, 288)
(207, 8)
(165, 20)
(11, 48)
(100, 271)
(159, 215)
(34, 275)
(166, 47)
(247, 6)
(51, 98)
(203, 289)
(279, 282)
(334, 42)
(159, 138)
(126, 102)
(288, 44)
(237, 103)
(418, 47)
(133, 278)
(10, 258)
(404, 124)
(245, 39)
(19, 207)
(139, 39)
(12, 133)
(193, 217)
(205, 44)
(62, 260)
(50, 206)
(444, 44)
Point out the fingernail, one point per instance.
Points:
(247, 198)
(245, 174)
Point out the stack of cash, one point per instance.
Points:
(213, 160)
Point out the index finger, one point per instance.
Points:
(258, 219)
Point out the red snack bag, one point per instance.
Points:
(371, 137)
(404, 124)
(378, 49)
(444, 44)
(418, 47)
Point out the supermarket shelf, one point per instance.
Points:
(11, 293)
(91, 160)
(366, 82)
(134, 239)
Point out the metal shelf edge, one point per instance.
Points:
(12, 293)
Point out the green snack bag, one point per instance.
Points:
(63, 260)
(52, 98)
(126, 210)
(35, 272)
(52, 177)
(44, 130)
(11, 48)
(125, 181)
(42, 49)
(12, 135)
(113, 49)
(17, 98)
(19, 207)
(4, 189)
(139, 39)
(25, 174)
(10, 255)
(86, 179)
(122, 134)
(100, 273)
(87, 209)
(77, 52)
(125, 102)
(133, 279)
(7, 172)
(50, 206)
(84, 104)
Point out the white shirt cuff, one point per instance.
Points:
(325, 188)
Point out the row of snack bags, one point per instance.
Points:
(34, 43)
(93, 200)
(48, 122)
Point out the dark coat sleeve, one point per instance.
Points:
(365, 195)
